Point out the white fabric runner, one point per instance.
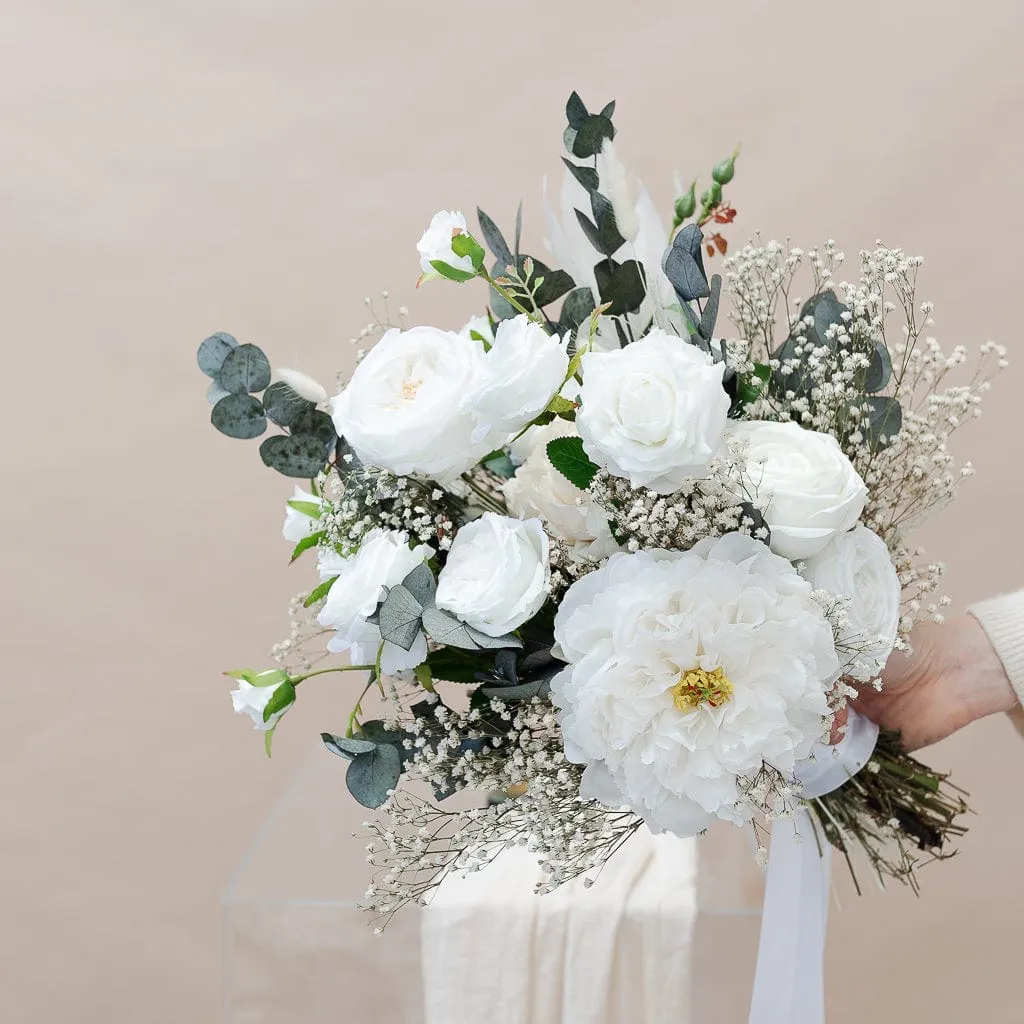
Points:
(495, 952)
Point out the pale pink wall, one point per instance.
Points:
(172, 168)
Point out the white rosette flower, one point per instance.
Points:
(857, 565)
(255, 692)
(436, 242)
(477, 328)
(297, 525)
(538, 489)
(687, 671)
(384, 559)
(524, 368)
(653, 412)
(496, 575)
(805, 484)
(409, 406)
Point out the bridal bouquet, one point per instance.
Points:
(607, 567)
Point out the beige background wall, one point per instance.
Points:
(172, 168)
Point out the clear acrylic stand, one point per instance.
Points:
(297, 950)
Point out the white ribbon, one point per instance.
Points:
(789, 983)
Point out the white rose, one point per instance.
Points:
(252, 698)
(384, 559)
(652, 412)
(525, 367)
(497, 572)
(409, 406)
(298, 525)
(538, 489)
(687, 672)
(857, 565)
(436, 242)
(805, 484)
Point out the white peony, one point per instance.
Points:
(538, 489)
(384, 559)
(496, 575)
(409, 406)
(298, 525)
(687, 671)
(857, 565)
(653, 412)
(252, 699)
(436, 242)
(805, 484)
(525, 368)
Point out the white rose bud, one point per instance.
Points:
(805, 484)
(436, 243)
(497, 572)
(857, 565)
(253, 698)
(298, 525)
(409, 406)
(525, 367)
(653, 412)
(479, 326)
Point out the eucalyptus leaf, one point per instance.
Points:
(214, 393)
(881, 420)
(590, 135)
(556, 283)
(586, 176)
(376, 732)
(245, 370)
(608, 109)
(684, 265)
(753, 513)
(283, 404)
(576, 111)
(621, 285)
(603, 234)
(345, 458)
(500, 465)
(523, 691)
(444, 628)
(879, 370)
(576, 309)
(399, 618)
(494, 238)
(827, 311)
(372, 774)
(345, 746)
(452, 665)
(710, 314)
(239, 416)
(505, 666)
(213, 351)
(316, 424)
(566, 454)
(421, 584)
(519, 226)
(300, 455)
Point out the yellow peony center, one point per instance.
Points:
(698, 686)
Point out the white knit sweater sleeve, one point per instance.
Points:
(1002, 618)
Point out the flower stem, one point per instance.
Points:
(336, 668)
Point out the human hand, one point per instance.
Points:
(952, 677)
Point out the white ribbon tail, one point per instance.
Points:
(789, 983)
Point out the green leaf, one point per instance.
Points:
(269, 677)
(284, 697)
(372, 774)
(602, 232)
(494, 238)
(268, 738)
(684, 265)
(586, 176)
(523, 691)
(318, 593)
(562, 406)
(424, 676)
(578, 305)
(591, 134)
(239, 416)
(213, 351)
(452, 273)
(313, 509)
(399, 618)
(501, 465)
(566, 454)
(312, 541)
(453, 665)
(301, 455)
(751, 385)
(283, 404)
(345, 746)
(466, 245)
(621, 285)
(553, 284)
(710, 314)
(245, 369)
